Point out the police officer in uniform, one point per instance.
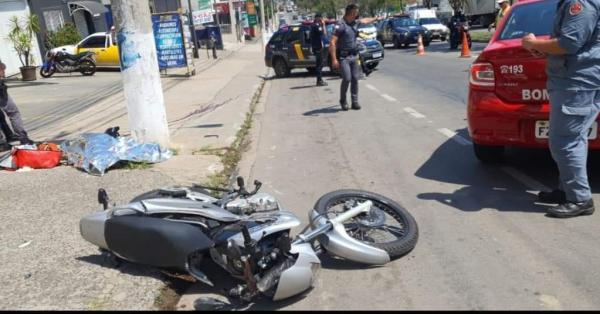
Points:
(317, 34)
(8, 106)
(573, 70)
(345, 47)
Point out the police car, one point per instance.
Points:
(508, 104)
(290, 48)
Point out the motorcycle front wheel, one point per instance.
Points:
(87, 67)
(46, 73)
(388, 226)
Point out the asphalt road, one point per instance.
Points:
(62, 95)
(484, 243)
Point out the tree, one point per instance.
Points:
(21, 35)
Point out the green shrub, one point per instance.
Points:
(66, 35)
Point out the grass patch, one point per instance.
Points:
(209, 150)
(231, 156)
(481, 37)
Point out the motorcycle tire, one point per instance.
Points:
(47, 74)
(88, 68)
(395, 249)
(157, 194)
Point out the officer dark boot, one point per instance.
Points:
(321, 83)
(572, 209)
(355, 106)
(554, 197)
(26, 141)
(344, 105)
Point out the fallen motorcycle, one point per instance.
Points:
(248, 235)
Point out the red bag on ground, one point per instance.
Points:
(36, 159)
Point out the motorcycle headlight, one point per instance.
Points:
(263, 202)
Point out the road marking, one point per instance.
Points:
(525, 179)
(388, 97)
(414, 113)
(454, 136)
(371, 87)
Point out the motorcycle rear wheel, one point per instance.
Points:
(405, 229)
(47, 74)
(88, 68)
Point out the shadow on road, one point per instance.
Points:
(440, 47)
(485, 186)
(326, 110)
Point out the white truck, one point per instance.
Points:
(482, 12)
(428, 19)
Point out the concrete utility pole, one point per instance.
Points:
(193, 30)
(262, 23)
(232, 19)
(139, 68)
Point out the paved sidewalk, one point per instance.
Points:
(46, 263)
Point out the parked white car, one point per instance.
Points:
(435, 28)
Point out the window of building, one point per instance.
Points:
(54, 19)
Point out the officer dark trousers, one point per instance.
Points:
(350, 73)
(319, 69)
(6, 134)
(572, 114)
(12, 112)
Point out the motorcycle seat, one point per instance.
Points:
(77, 56)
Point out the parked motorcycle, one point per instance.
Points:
(457, 28)
(249, 235)
(64, 62)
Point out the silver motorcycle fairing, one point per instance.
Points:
(300, 276)
(92, 226)
(188, 207)
(338, 242)
(274, 222)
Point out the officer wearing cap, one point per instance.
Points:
(344, 46)
(504, 7)
(317, 33)
(573, 70)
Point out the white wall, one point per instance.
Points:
(9, 8)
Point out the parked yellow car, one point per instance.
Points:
(103, 44)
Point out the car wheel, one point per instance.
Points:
(406, 45)
(443, 38)
(281, 69)
(489, 154)
(311, 70)
(426, 43)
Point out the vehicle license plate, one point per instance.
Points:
(542, 127)
(377, 55)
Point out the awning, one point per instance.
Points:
(95, 8)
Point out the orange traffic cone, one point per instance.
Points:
(420, 47)
(465, 52)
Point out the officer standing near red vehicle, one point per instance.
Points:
(573, 69)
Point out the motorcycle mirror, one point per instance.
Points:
(240, 182)
(103, 198)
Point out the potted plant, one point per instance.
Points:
(21, 34)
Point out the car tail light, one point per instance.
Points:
(482, 75)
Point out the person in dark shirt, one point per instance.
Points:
(318, 32)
